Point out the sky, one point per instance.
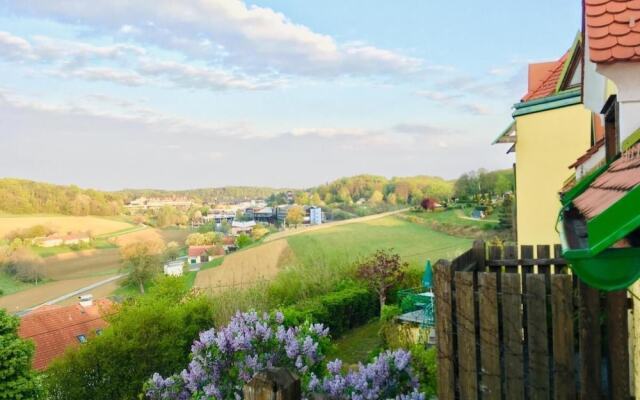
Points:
(114, 94)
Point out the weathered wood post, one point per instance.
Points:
(273, 384)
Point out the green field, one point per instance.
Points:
(346, 243)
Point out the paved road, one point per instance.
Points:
(73, 293)
(291, 232)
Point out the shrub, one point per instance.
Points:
(340, 311)
(152, 333)
(223, 360)
(243, 241)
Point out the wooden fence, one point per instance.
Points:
(514, 325)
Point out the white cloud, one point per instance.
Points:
(253, 38)
(127, 78)
(127, 65)
(190, 76)
(14, 47)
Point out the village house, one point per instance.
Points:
(202, 254)
(155, 203)
(315, 216)
(551, 129)
(600, 213)
(70, 239)
(53, 329)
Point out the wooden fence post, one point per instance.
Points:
(479, 254)
(273, 384)
(589, 342)
(617, 330)
(490, 374)
(466, 332)
(443, 276)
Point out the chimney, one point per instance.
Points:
(611, 133)
(86, 300)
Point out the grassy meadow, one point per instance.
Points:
(62, 223)
(346, 243)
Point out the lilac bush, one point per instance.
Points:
(388, 376)
(223, 360)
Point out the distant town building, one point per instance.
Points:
(53, 329)
(155, 203)
(315, 215)
(238, 227)
(174, 268)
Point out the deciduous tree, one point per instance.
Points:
(17, 379)
(143, 261)
(295, 215)
(381, 271)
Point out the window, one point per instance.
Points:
(82, 338)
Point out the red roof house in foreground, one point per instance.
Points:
(54, 329)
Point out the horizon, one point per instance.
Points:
(263, 93)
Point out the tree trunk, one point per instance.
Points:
(141, 286)
(383, 299)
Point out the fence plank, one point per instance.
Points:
(526, 253)
(561, 267)
(511, 254)
(467, 361)
(589, 342)
(512, 333)
(618, 344)
(490, 376)
(444, 329)
(479, 254)
(543, 252)
(539, 387)
(495, 253)
(563, 346)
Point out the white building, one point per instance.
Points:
(174, 268)
(315, 216)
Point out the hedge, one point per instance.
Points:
(341, 311)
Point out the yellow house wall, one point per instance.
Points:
(547, 143)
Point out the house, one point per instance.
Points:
(74, 239)
(315, 215)
(551, 128)
(238, 227)
(229, 244)
(600, 213)
(265, 214)
(52, 240)
(70, 239)
(53, 329)
(174, 268)
(202, 254)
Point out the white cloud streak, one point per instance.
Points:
(253, 38)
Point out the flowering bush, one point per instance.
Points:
(222, 361)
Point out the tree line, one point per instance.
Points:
(21, 196)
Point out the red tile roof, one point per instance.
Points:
(548, 81)
(587, 155)
(197, 251)
(613, 28)
(621, 176)
(53, 329)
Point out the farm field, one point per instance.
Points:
(245, 267)
(337, 244)
(62, 223)
(45, 292)
(346, 243)
(82, 264)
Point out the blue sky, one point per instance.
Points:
(200, 93)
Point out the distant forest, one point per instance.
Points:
(20, 196)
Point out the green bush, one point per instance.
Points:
(425, 365)
(340, 311)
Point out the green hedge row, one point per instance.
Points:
(341, 311)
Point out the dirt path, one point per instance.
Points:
(46, 292)
(244, 268)
(298, 231)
